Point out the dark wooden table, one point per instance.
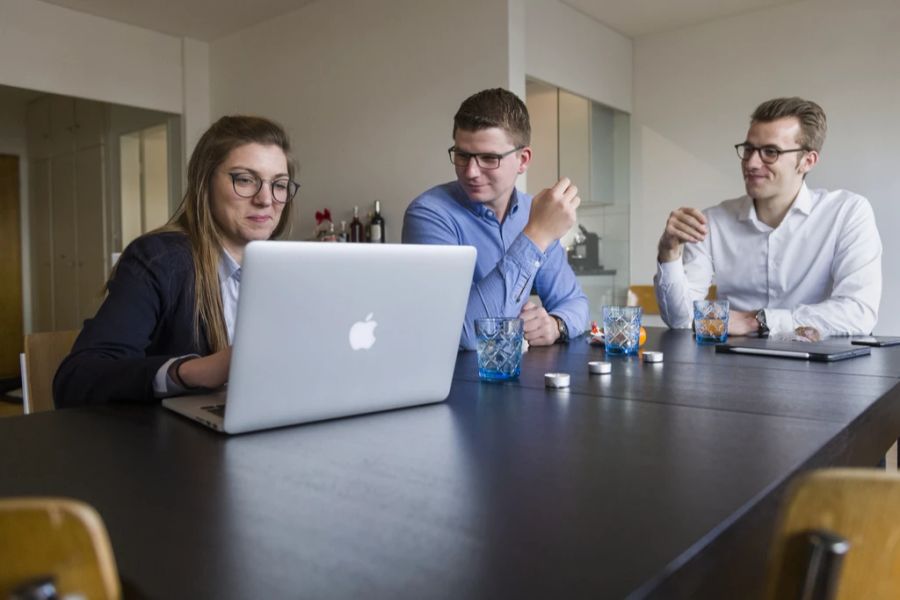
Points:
(655, 481)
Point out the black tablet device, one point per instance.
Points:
(876, 340)
(826, 351)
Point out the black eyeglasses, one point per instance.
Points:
(767, 154)
(485, 160)
(247, 185)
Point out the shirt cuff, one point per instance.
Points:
(670, 271)
(163, 385)
(526, 259)
(779, 321)
(526, 254)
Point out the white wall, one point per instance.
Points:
(574, 52)
(53, 49)
(696, 87)
(195, 82)
(367, 91)
(370, 89)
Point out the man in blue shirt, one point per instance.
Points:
(517, 236)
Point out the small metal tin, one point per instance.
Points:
(556, 380)
(599, 367)
(653, 357)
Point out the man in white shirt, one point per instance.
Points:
(786, 257)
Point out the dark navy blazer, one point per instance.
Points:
(146, 319)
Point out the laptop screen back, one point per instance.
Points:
(325, 330)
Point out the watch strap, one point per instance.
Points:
(762, 327)
(563, 329)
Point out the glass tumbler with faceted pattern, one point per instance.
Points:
(622, 329)
(711, 321)
(499, 348)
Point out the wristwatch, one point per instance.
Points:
(563, 330)
(762, 328)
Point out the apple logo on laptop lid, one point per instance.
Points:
(362, 333)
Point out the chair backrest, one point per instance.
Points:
(43, 354)
(60, 538)
(858, 505)
(645, 297)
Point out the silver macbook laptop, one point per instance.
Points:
(327, 330)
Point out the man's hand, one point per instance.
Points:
(552, 213)
(684, 225)
(742, 322)
(540, 328)
(807, 334)
(208, 371)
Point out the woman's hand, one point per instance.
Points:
(207, 371)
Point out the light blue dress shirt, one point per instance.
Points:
(230, 284)
(508, 263)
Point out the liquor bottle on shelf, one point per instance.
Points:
(357, 231)
(376, 225)
(343, 235)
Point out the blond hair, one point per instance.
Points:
(813, 124)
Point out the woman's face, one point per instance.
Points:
(244, 219)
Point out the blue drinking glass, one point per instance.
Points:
(622, 329)
(499, 348)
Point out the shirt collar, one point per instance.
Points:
(514, 202)
(746, 210)
(228, 268)
(802, 203)
(479, 208)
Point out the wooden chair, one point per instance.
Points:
(855, 550)
(43, 354)
(60, 538)
(645, 297)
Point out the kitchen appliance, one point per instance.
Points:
(584, 254)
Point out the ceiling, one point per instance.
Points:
(207, 20)
(641, 17)
(203, 20)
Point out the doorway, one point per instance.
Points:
(11, 326)
(77, 218)
(144, 179)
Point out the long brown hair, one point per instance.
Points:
(194, 216)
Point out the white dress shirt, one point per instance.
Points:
(230, 286)
(821, 267)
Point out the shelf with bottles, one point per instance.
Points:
(356, 231)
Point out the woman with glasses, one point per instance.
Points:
(166, 325)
